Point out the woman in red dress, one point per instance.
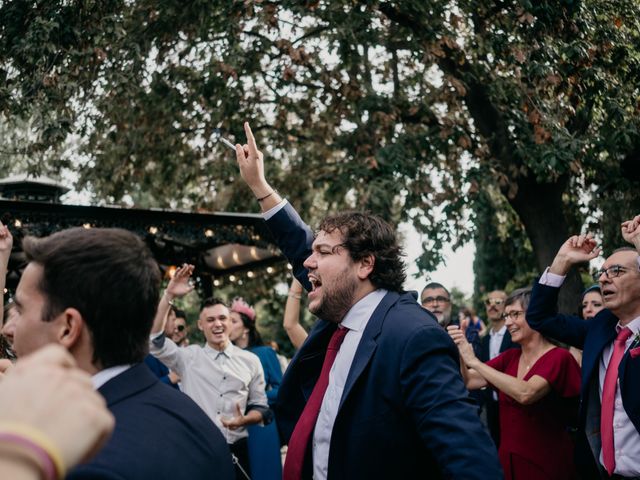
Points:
(539, 389)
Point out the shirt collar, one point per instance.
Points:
(358, 315)
(227, 352)
(633, 325)
(103, 376)
(499, 333)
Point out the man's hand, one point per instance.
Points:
(631, 231)
(236, 422)
(577, 249)
(466, 351)
(6, 243)
(251, 163)
(179, 284)
(173, 377)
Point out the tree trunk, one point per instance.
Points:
(541, 210)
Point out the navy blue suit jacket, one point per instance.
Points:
(160, 433)
(592, 336)
(160, 370)
(404, 411)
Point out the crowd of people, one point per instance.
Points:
(107, 384)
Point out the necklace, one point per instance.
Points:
(526, 363)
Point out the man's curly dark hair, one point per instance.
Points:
(366, 234)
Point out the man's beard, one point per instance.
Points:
(444, 319)
(336, 301)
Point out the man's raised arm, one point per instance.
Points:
(251, 163)
(542, 313)
(291, 234)
(178, 287)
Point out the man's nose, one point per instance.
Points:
(310, 262)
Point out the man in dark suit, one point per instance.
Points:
(95, 292)
(389, 401)
(610, 396)
(496, 341)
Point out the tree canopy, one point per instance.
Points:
(412, 109)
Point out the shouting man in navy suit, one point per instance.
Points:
(610, 396)
(375, 390)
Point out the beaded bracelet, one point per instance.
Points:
(35, 446)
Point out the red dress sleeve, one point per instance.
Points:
(560, 369)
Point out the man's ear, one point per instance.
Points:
(366, 266)
(71, 326)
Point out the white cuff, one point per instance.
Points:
(273, 210)
(551, 279)
(153, 336)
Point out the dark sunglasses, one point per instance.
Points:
(180, 327)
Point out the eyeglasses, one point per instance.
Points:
(611, 272)
(437, 299)
(493, 301)
(513, 315)
(180, 327)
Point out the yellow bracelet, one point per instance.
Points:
(40, 439)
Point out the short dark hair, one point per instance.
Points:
(522, 295)
(178, 313)
(211, 301)
(432, 285)
(110, 277)
(366, 234)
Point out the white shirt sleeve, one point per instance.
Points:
(165, 350)
(551, 279)
(273, 210)
(257, 386)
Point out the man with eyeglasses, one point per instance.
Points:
(491, 345)
(610, 406)
(435, 298)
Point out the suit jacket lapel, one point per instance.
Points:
(601, 333)
(368, 343)
(307, 362)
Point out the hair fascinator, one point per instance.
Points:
(240, 306)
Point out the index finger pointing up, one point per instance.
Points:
(253, 148)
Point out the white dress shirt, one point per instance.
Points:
(356, 321)
(626, 439)
(216, 381)
(495, 341)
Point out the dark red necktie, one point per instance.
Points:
(299, 441)
(608, 399)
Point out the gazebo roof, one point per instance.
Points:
(218, 244)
